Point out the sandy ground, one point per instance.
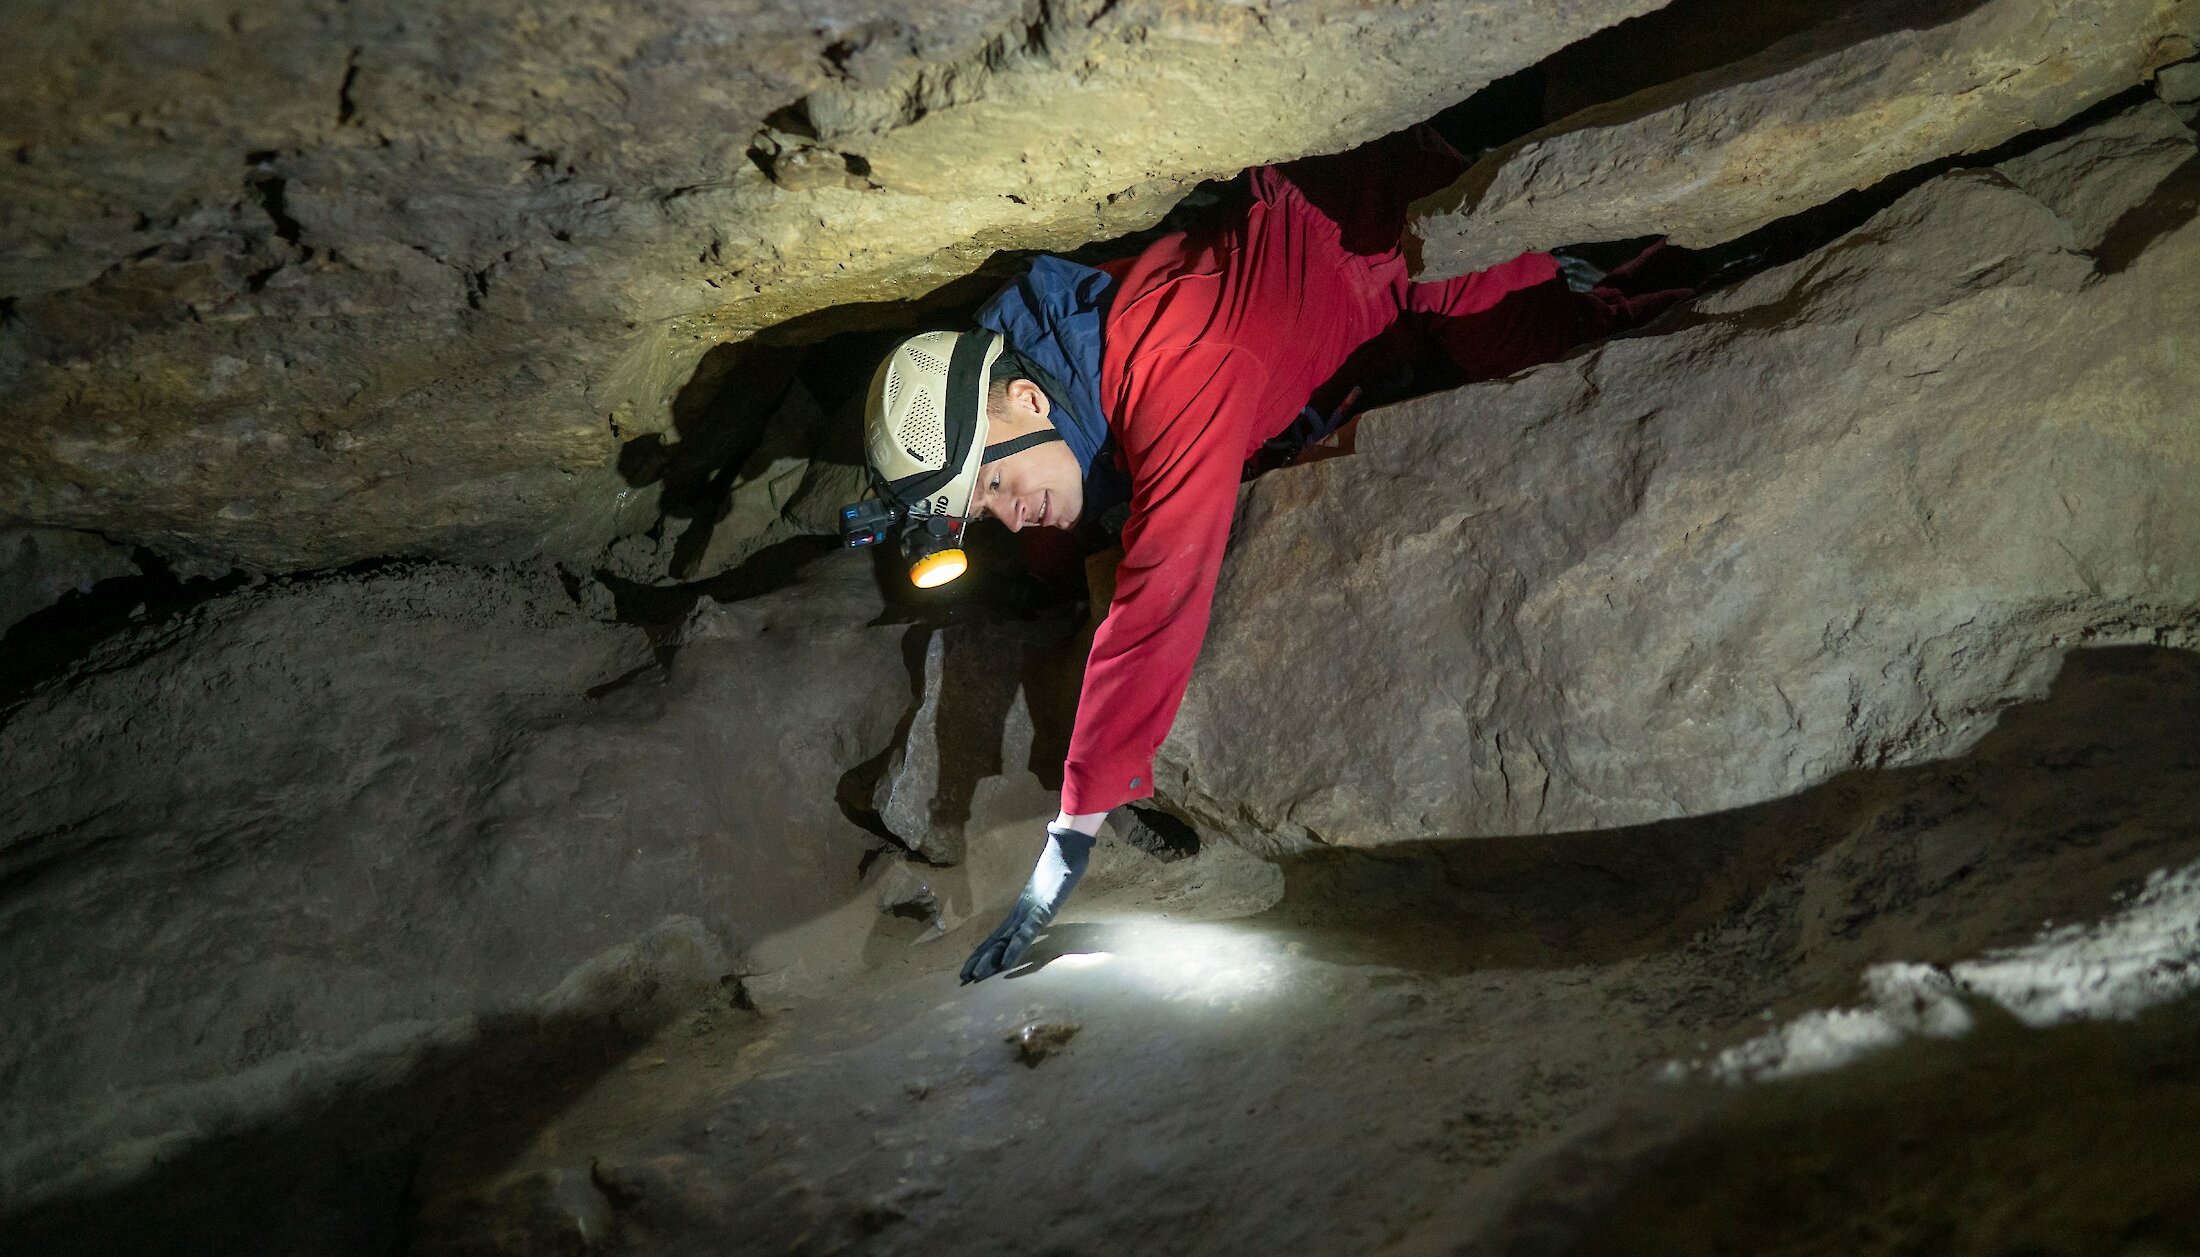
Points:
(1500, 1045)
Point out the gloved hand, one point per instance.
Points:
(1059, 868)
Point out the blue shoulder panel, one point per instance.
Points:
(1054, 315)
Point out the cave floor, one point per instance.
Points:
(1460, 1047)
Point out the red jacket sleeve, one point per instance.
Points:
(1192, 409)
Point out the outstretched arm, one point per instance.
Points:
(1194, 408)
(1185, 453)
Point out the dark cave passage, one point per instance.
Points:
(1727, 788)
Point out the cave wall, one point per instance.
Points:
(291, 285)
(311, 833)
(40, 565)
(1838, 107)
(1836, 516)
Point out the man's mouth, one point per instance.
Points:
(1046, 506)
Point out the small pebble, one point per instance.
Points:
(1034, 1041)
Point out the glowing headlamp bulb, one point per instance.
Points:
(938, 568)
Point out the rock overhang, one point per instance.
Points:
(297, 286)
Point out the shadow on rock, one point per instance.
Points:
(337, 1177)
(790, 393)
(2079, 1139)
(2173, 203)
(45, 644)
(2107, 756)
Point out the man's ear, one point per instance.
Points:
(1030, 396)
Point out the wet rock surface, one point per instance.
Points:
(306, 284)
(1835, 516)
(1714, 156)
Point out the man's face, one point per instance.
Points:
(1038, 487)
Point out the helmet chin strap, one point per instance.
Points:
(1017, 445)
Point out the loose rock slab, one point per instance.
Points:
(1717, 155)
(1855, 508)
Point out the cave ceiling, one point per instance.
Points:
(290, 285)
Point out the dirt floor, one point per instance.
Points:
(1492, 1046)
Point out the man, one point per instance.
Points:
(1156, 380)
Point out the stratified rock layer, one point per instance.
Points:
(1714, 156)
(291, 285)
(1840, 517)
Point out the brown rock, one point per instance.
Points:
(1036, 1040)
(1718, 154)
(322, 825)
(2092, 179)
(1840, 518)
(332, 281)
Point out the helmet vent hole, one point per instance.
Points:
(924, 430)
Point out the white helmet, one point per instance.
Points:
(924, 426)
(924, 429)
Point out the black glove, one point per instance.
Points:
(1060, 866)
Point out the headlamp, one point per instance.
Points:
(932, 544)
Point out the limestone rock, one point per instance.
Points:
(2092, 179)
(327, 281)
(38, 565)
(903, 892)
(973, 731)
(1716, 155)
(2179, 84)
(706, 519)
(318, 820)
(1839, 518)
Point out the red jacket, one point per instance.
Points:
(1212, 345)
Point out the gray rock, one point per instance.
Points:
(2179, 84)
(1839, 518)
(335, 281)
(781, 489)
(973, 724)
(1041, 1037)
(321, 823)
(38, 565)
(2092, 179)
(903, 892)
(1716, 155)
